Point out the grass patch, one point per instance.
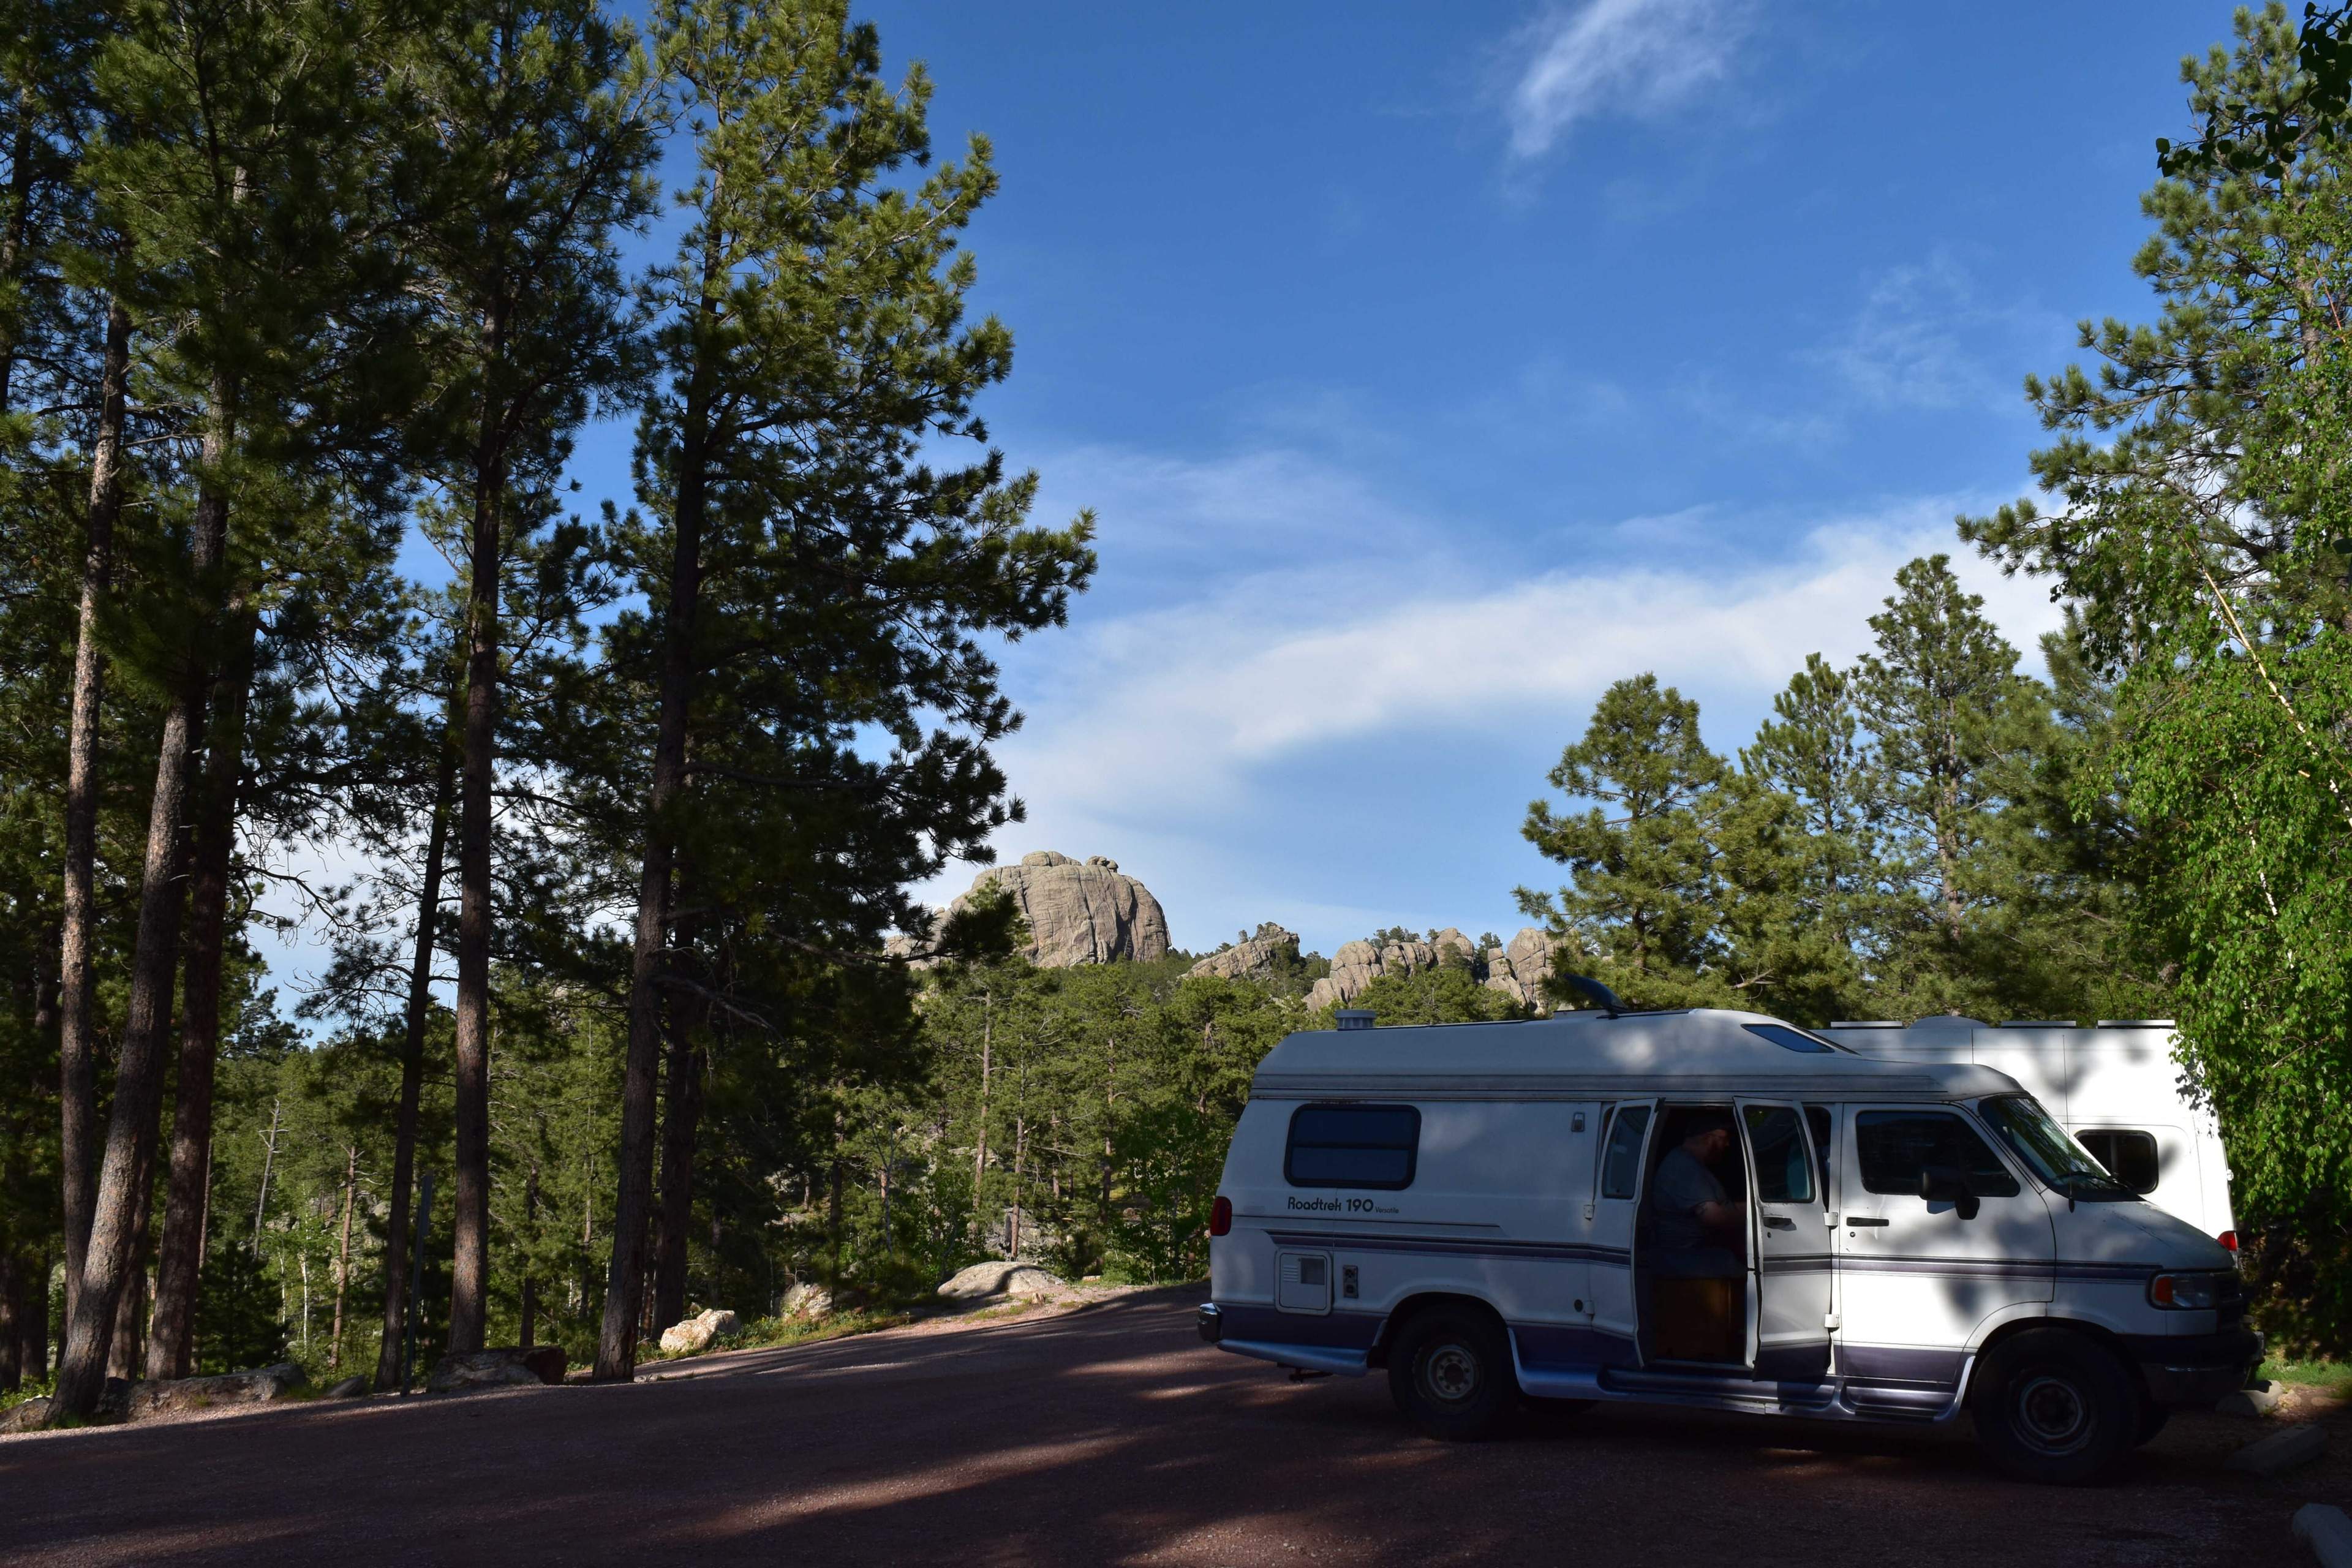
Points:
(2330, 1376)
(769, 1333)
(24, 1391)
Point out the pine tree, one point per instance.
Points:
(1647, 891)
(813, 342)
(542, 132)
(1947, 714)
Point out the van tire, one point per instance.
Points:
(2056, 1407)
(1450, 1373)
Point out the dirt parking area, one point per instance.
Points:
(1107, 1433)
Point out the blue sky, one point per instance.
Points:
(1431, 367)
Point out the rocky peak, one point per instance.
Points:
(1078, 912)
(1258, 957)
(1516, 969)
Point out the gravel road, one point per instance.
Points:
(1106, 1434)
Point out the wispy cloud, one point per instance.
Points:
(1642, 57)
(1920, 335)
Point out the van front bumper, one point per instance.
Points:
(2196, 1369)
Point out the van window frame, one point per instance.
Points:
(1411, 1150)
(2154, 1152)
(1959, 1112)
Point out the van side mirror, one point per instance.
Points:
(1948, 1184)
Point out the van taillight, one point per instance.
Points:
(1220, 1215)
(2228, 1238)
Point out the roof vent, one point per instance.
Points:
(2135, 1023)
(2039, 1024)
(1948, 1021)
(1354, 1017)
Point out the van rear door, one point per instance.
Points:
(1790, 1264)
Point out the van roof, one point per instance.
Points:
(1585, 1055)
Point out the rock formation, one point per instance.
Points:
(1515, 969)
(1258, 957)
(1078, 912)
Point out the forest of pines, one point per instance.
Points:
(608, 805)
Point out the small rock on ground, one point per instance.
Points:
(2281, 1450)
(503, 1368)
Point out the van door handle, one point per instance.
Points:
(1864, 1219)
(1779, 1222)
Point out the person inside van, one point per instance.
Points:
(1696, 1232)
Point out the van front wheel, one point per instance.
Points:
(2056, 1406)
(1450, 1373)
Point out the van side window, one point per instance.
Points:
(1621, 1163)
(1352, 1146)
(1895, 1146)
(2129, 1157)
(1784, 1170)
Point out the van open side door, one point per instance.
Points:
(1791, 1267)
(1613, 1227)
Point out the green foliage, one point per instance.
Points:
(2200, 526)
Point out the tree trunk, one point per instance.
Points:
(33, 1319)
(530, 1335)
(412, 1077)
(616, 1348)
(470, 1207)
(980, 1144)
(268, 1163)
(139, 1072)
(12, 1294)
(123, 1355)
(179, 1262)
(343, 1252)
(78, 1025)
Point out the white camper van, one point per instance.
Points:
(2114, 1087)
(1709, 1208)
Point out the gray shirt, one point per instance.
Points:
(1681, 1188)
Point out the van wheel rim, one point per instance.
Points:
(1451, 1373)
(2051, 1413)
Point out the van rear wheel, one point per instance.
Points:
(1450, 1373)
(2056, 1406)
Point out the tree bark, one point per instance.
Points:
(470, 1206)
(412, 1077)
(616, 1346)
(123, 1355)
(179, 1261)
(343, 1252)
(78, 1026)
(139, 1072)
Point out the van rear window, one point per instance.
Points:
(1352, 1146)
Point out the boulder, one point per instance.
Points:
(1258, 957)
(29, 1417)
(805, 1300)
(1515, 969)
(168, 1396)
(698, 1333)
(1078, 912)
(548, 1361)
(999, 1277)
(505, 1367)
(349, 1388)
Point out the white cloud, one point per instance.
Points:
(1602, 57)
(1153, 734)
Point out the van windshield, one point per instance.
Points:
(2057, 1159)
